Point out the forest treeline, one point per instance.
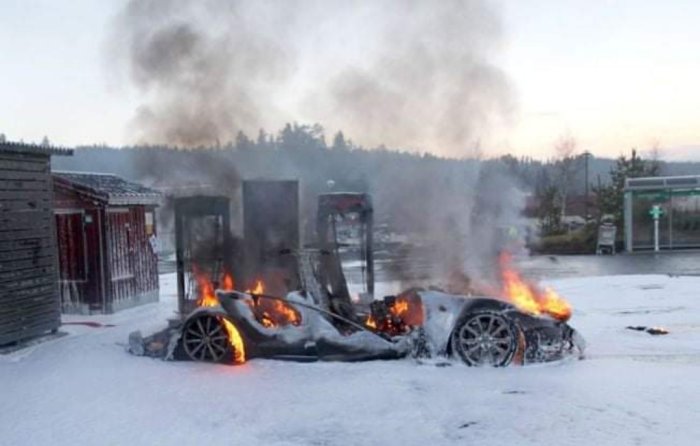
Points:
(404, 184)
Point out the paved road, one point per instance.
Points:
(555, 267)
(686, 263)
(676, 263)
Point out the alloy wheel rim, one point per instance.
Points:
(486, 339)
(205, 339)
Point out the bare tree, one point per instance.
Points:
(655, 155)
(566, 168)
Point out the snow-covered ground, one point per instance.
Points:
(633, 388)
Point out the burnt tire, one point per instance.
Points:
(204, 339)
(485, 338)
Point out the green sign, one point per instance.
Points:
(656, 212)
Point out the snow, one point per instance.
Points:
(633, 388)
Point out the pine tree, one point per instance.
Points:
(610, 198)
(339, 142)
(243, 142)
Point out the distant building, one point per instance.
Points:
(29, 297)
(106, 235)
(679, 202)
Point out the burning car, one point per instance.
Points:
(523, 324)
(476, 330)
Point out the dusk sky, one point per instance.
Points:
(611, 74)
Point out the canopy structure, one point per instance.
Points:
(675, 201)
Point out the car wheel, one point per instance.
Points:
(204, 338)
(485, 338)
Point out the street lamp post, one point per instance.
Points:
(586, 156)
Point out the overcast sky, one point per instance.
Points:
(611, 74)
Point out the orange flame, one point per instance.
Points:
(408, 307)
(370, 322)
(259, 288)
(207, 298)
(405, 312)
(400, 307)
(530, 298)
(234, 338)
(227, 283)
(271, 313)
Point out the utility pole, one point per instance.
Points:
(586, 155)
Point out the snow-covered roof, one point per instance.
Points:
(109, 188)
(19, 147)
(678, 182)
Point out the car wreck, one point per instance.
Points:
(322, 321)
(476, 330)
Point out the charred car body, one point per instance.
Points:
(323, 322)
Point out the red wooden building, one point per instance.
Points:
(106, 233)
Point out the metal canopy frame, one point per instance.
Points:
(657, 190)
(187, 210)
